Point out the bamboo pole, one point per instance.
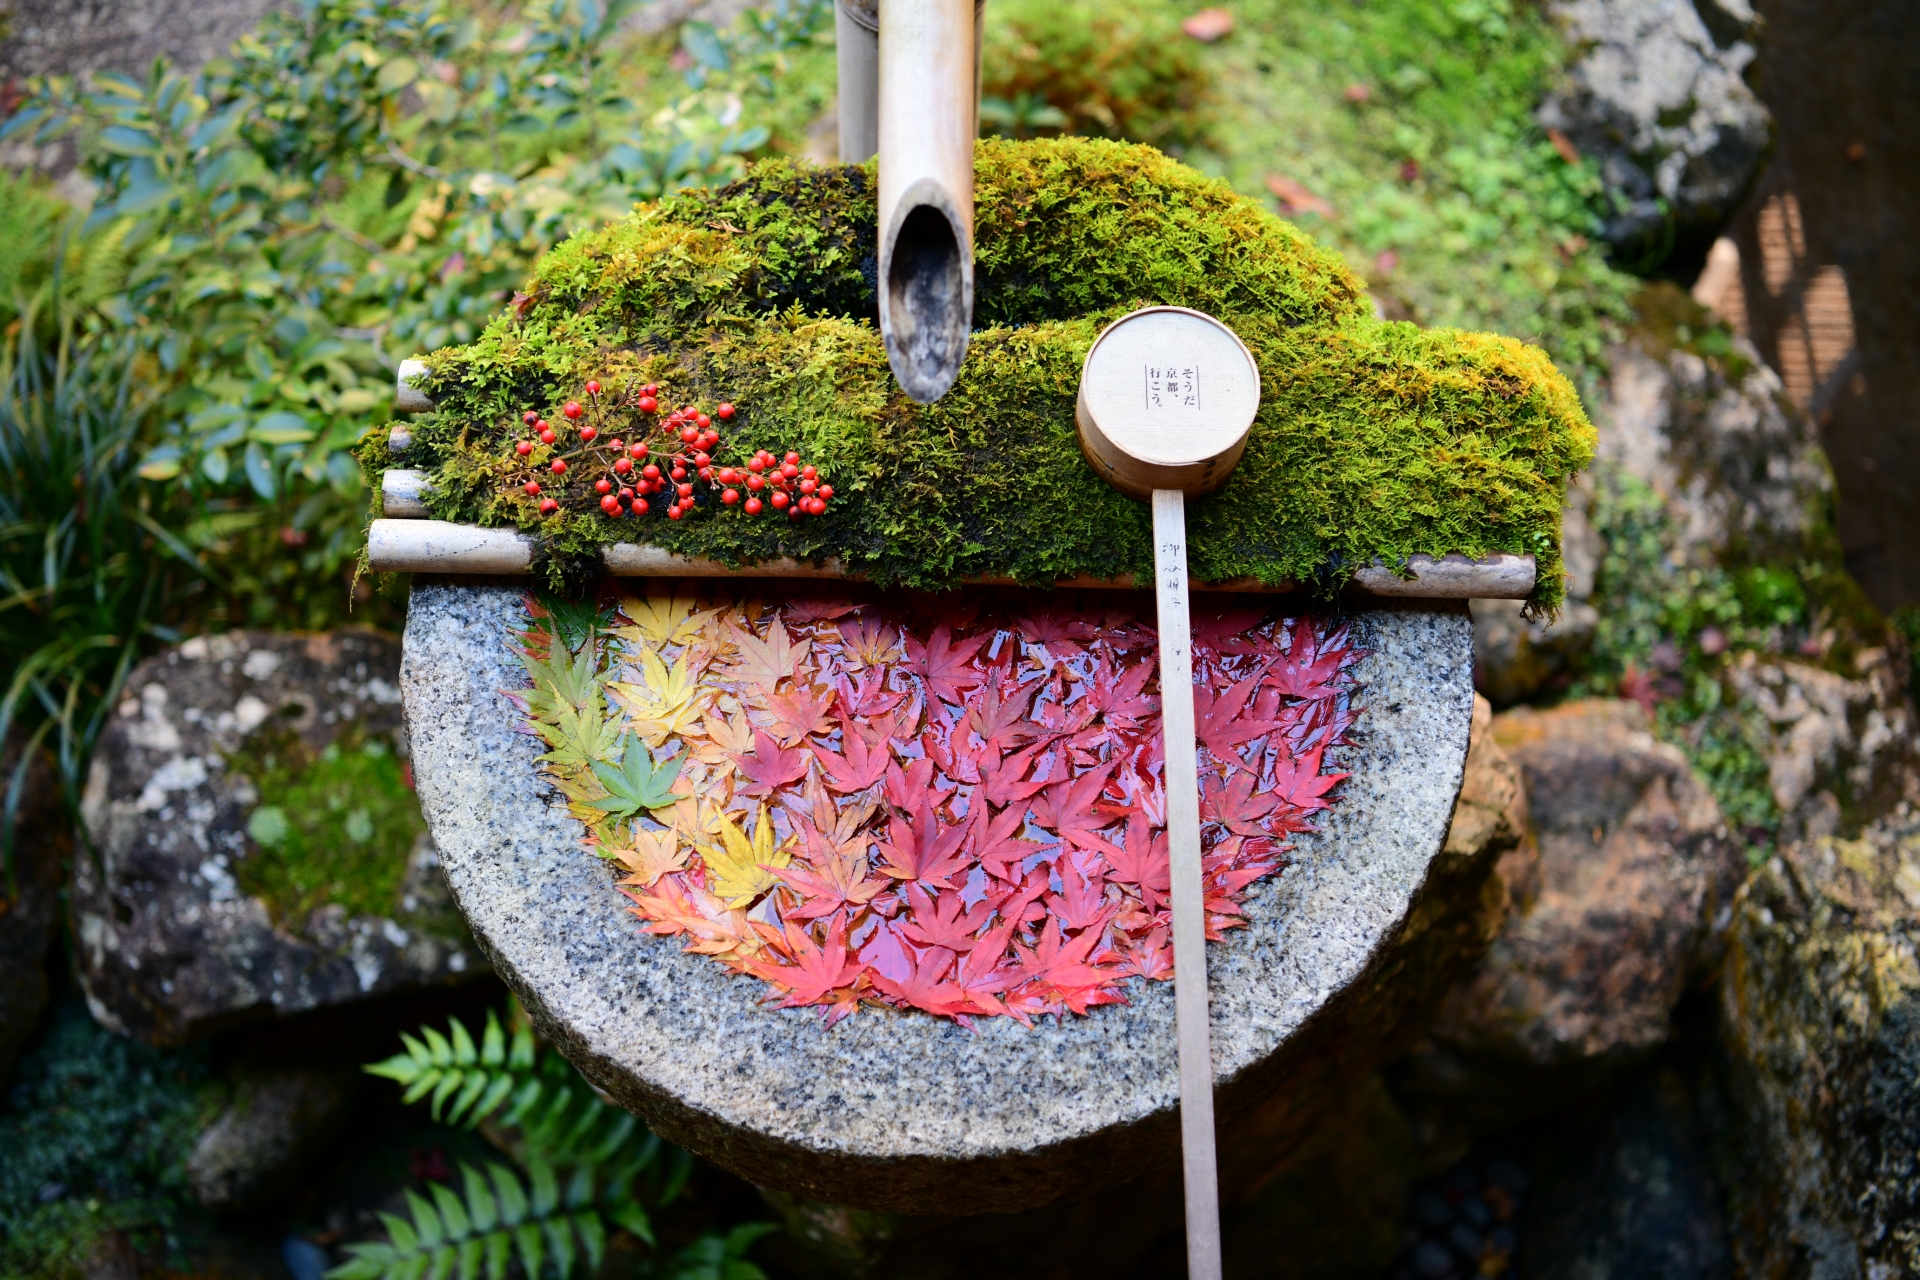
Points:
(856, 39)
(927, 113)
(405, 542)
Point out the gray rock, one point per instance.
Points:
(1733, 464)
(906, 1113)
(1625, 906)
(257, 1146)
(171, 942)
(1656, 95)
(1820, 1022)
(30, 913)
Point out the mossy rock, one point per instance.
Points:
(1374, 439)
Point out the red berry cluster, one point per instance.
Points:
(669, 454)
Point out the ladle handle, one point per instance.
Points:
(1189, 912)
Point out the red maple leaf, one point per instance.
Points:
(1120, 699)
(1309, 668)
(925, 849)
(997, 844)
(1058, 967)
(817, 968)
(1233, 805)
(944, 664)
(1056, 630)
(1231, 631)
(769, 766)
(1067, 809)
(1003, 779)
(1220, 720)
(1299, 784)
(832, 882)
(855, 767)
(868, 697)
(999, 715)
(942, 920)
(1142, 860)
(921, 987)
(1081, 904)
(906, 787)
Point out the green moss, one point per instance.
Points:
(1373, 439)
(95, 1130)
(333, 828)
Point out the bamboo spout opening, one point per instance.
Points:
(926, 126)
(930, 303)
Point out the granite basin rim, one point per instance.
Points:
(904, 1111)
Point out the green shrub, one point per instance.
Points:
(90, 560)
(1099, 70)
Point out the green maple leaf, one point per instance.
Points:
(579, 736)
(639, 783)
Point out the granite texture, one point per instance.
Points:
(169, 945)
(904, 1112)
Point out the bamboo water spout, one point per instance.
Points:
(927, 117)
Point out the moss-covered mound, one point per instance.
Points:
(1373, 439)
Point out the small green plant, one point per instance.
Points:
(575, 1167)
(91, 559)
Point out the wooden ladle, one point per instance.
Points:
(1166, 398)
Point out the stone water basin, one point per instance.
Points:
(862, 1096)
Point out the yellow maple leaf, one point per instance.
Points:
(740, 869)
(665, 702)
(651, 855)
(662, 620)
(697, 820)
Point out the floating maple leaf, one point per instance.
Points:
(767, 661)
(868, 698)
(651, 855)
(1310, 666)
(1142, 861)
(817, 971)
(801, 714)
(665, 702)
(856, 766)
(944, 664)
(829, 883)
(662, 620)
(1067, 809)
(770, 766)
(1233, 805)
(869, 641)
(942, 919)
(922, 987)
(925, 849)
(639, 783)
(741, 869)
(714, 929)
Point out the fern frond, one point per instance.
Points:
(465, 1082)
(478, 1231)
